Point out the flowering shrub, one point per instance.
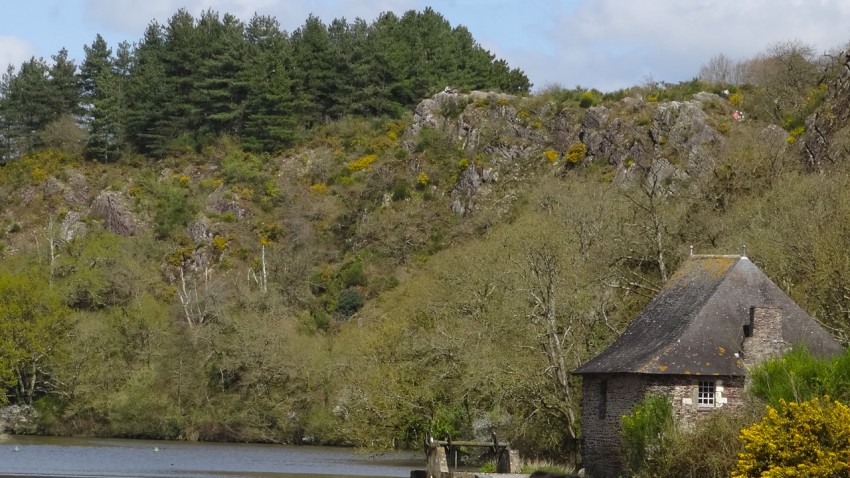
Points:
(806, 439)
(362, 163)
(319, 188)
(795, 133)
(576, 153)
(220, 243)
(551, 155)
(735, 99)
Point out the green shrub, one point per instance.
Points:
(350, 301)
(242, 168)
(647, 432)
(708, 449)
(353, 274)
(401, 191)
(174, 208)
(590, 98)
(798, 376)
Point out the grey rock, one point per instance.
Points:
(111, 206)
(72, 226)
(199, 230)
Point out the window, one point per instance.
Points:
(705, 394)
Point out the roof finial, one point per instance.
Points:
(692, 249)
(744, 251)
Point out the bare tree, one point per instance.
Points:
(540, 276)
(721, 69)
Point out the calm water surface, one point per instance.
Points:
(95, 457)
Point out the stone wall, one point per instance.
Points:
(765, 335)
(607, 397)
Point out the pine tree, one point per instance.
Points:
(65, 91)
(28, 106)
(98, 82)
(147, 124)
(313, 70)
(269, 108)
(220, 88)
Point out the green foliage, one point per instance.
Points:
(32, 323)
(647, 433)
(174, 206)
(353, 274)
(709, 448)
(401, 191)
(590, 98)
(798, 439)
(797, 376)
(450, 421)
(349, 302)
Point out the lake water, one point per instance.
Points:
(95, 457)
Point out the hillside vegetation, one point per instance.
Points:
(217, 234)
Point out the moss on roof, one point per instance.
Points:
(695, 324)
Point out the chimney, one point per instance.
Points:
(763, 335)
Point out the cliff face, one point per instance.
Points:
(621, 140)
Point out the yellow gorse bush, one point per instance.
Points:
(576, 153)
(362, 163)
(807, 439)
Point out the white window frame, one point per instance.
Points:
(706, 394)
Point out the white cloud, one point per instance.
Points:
(14, 51)
(616, 43)
(131, 16)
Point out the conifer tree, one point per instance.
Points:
(269, 108)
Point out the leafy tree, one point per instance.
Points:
(64, 86)
(33, 321)
(313, 70)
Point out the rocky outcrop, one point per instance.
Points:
(200, 229)
(613, 140)
(72, 226)
(682, 127)
(673, 138)
(468, 186)
(111, 206)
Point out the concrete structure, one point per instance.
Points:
(694, 343)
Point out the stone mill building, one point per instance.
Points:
(694, 342)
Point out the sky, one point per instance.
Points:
(603, 44)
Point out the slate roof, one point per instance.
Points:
(694, 325)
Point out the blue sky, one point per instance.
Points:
(606, 44)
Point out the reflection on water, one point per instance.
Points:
(95, 457)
